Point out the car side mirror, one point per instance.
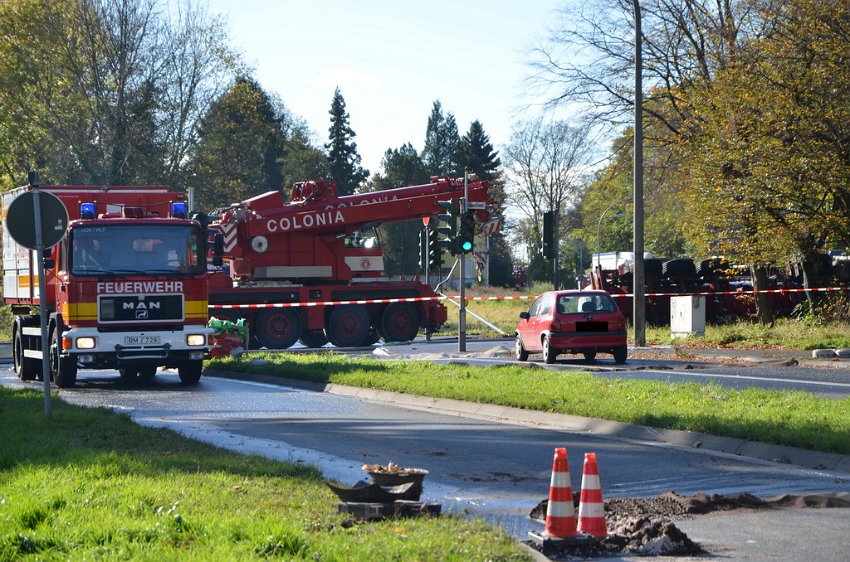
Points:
(524, 315)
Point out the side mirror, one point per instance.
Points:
(524, 315)
(218, 250)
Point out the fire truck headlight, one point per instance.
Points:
(196, 339)
(86, 343)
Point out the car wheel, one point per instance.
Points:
(589, 355)
(519, 351)
(549, 352)
(620, 353)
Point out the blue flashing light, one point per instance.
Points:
(86, 210)
(178, 210)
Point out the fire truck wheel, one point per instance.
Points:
(589, 355)
(313, 338)
(520, 354)
(348, 326)
(64, 369)
(549, 352)
(277, 328)
(25, 367)
(190, 372)
(399, 322)
(620, 353)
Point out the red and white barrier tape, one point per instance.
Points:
(739, 292)
(326, 303)
(506, 297)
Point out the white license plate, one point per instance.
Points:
(141, 340)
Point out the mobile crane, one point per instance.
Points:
(311, 270)
(126, 288)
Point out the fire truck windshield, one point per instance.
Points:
(123, 249)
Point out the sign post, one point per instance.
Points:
(38, 221)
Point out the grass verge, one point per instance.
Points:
(797, 419)
(90, 484)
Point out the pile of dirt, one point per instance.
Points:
(645, 526)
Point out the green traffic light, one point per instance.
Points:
(466, 246)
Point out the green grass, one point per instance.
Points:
(91, 485)
(788, 418)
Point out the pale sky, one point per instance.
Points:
(391, 60)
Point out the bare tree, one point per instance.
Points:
(589, 58)
(198, 67)
(546, 166)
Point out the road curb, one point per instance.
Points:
(492, 412)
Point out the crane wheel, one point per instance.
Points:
(277, 328)
(348, 326)
(399, 322)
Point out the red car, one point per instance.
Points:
(586, 322)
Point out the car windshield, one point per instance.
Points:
(123, 249)
(578, 303)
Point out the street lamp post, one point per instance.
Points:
(638, 279)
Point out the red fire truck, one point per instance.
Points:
(312, 270)
(127, 288)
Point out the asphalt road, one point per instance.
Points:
(497, 469)
(773, 369)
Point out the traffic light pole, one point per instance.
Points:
(461, 314)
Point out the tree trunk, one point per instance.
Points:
(763, 310)
(811, 274)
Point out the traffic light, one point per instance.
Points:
(467, 232)
(435, 252)
(423, 249)
(450, 229)
(548, 249)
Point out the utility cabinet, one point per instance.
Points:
(687, 316)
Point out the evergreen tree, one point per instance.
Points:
(479, 157)
(442, 153)
(342, 150)
(239, 148)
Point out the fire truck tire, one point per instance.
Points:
(549, 352)
(520, 354)
(348, 326)
(26, 369)
(63, 369)
(277, 328)
(313, 338)
(620, 353)
(589, 355)
(190, 372)
(399, 322)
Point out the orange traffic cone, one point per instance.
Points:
(591, 510)
(560, 513)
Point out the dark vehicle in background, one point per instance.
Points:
(586, 322)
